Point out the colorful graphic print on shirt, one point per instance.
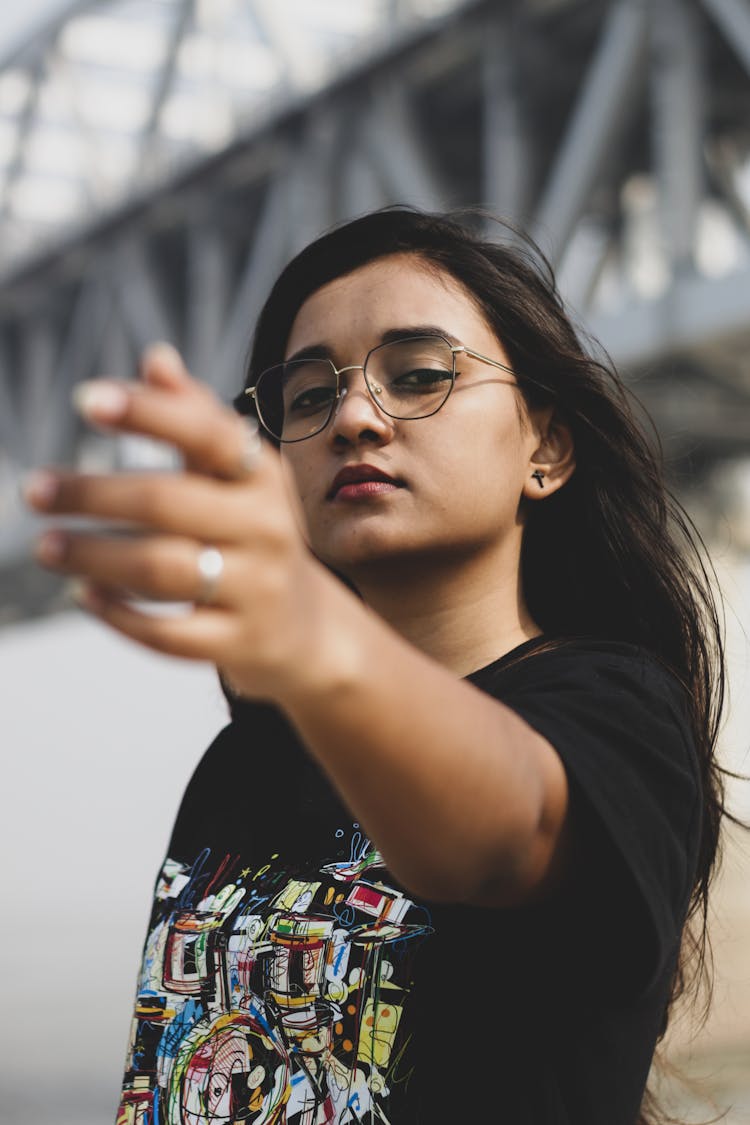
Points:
(267, 996)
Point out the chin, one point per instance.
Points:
(352, 562)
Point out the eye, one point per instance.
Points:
(313, 398)
(425, 378)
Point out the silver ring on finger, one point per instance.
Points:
(210, 570)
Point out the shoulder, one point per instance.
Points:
(585, 667)
(573, 649)
(619, 719)
(608, 707)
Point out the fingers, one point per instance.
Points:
(204, 634)
(233, 497)
(171, 406)
(162, 366)
(160, 568)
(178, 504)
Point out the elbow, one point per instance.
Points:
(506, 845)
(503, 875)
(535, 871)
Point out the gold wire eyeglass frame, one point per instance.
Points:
(241, 401)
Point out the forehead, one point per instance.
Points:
(393, 291)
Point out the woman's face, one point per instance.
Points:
(460, 472)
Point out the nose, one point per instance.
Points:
(356, 415)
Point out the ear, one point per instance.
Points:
(553, 461)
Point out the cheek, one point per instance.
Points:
(490, 449)
(486, 476)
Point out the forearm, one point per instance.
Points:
(452, 786)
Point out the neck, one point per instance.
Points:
(464, 614)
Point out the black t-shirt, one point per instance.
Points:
(288, 977)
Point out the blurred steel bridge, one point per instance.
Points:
(160, 161)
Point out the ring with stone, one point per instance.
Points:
(210, 570)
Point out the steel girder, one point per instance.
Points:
(615, 131)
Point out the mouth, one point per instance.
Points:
(362, 480)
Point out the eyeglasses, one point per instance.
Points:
(406, 379)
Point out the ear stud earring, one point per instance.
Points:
(538, 476)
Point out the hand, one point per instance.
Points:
(261, 624)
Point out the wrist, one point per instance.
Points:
(317, 656)
(330, 656)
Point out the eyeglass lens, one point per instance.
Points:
(407, 379)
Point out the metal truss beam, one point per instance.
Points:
(733, 17)
(209, 289)
(695, 312)
(264, 260)
(182, 20)
(506, 172)
(11, 435)
(679, 108)
(614, 156)
(134, 281)
(15, 166)
(397, 147)
(606, 97)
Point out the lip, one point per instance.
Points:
(356, 474)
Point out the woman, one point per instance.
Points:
(439, 865)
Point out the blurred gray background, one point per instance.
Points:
(160, 160)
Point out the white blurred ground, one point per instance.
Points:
(716, 1060)
(98, 739)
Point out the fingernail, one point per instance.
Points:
(39, 488)
(164, 353)
(102, 401)
(50, 547)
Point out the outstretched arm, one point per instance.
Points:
(464, 799)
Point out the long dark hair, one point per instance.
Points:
(629, 562)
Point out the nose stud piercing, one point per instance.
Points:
(538, 476)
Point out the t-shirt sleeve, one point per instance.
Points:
(619, 722)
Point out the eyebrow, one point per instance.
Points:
(390, 336)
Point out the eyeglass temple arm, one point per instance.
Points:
(483, 358)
